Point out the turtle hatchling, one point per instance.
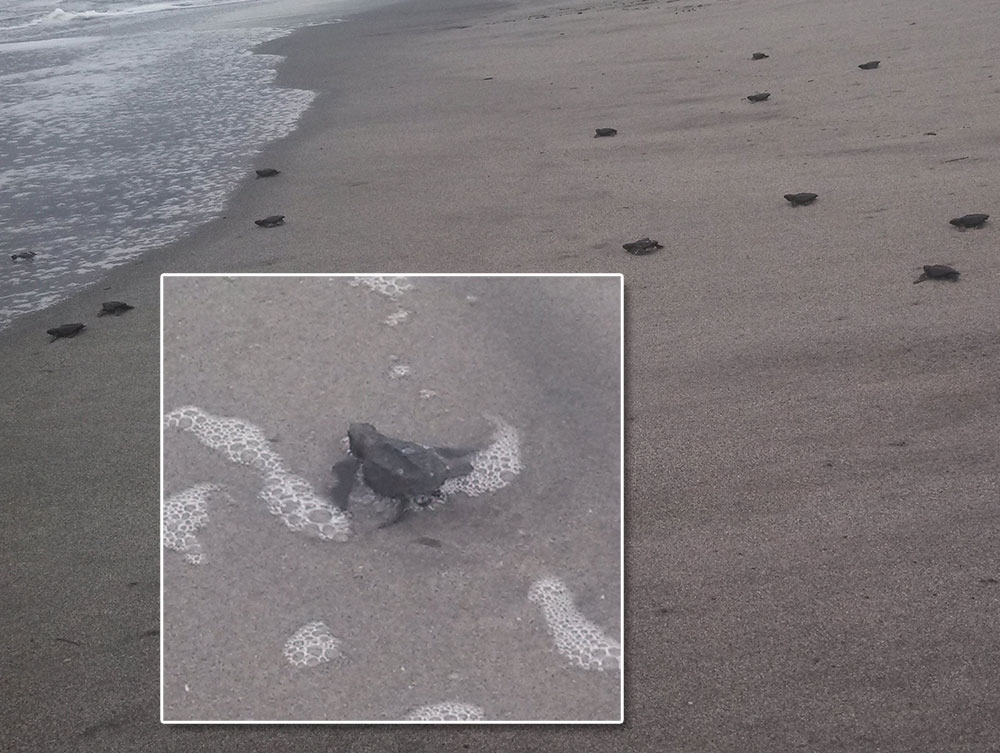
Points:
(759, 56)
(969, 220)
(22, 255)
(870, 65)
(66, 330)
(800, 199)
(759, 96)
(114, 307)
(642, 247)
(267, 172)
(603, 132)
(273, 221)
(938, 272)
(404, 472)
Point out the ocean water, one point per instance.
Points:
(126, 123)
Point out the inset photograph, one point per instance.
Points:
(392, 499)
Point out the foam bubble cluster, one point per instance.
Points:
(449, 711)
(391, 286)
(493, 467)
(183, 514)
(286, 495)
(396, 318)
(399, 370)
(312, 644)
(576, 637)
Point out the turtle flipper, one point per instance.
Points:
(398, 510)
(456, 460)
(345, 472)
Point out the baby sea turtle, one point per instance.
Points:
(22, 255)
(642, 247)
(938, 272)
(969, 220)
(267, 172)
(801, 199)
(66, 330)
(759, 96)
(759, 56)
(405, 472)
(870, 65)
(601, 132)
(273, 221)
(114, 307)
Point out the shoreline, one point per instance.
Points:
(811, 438)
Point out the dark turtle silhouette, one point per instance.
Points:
(114, 307)
(800, 199)
(938, 272)
(66, 330)
(969, 220)
(759, 56)
(22, 255)
(642, 247)
(759, 96)
(273, 221)
(267, 172)
(601, 132)
(405, 472)
(870, 65)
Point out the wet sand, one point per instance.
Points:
(304, 357)
(812, 488)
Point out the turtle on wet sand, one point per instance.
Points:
(271, 221)
(27, 255)
(759, 56)
(938, 272)
(969, 220)
(800, 199)
(642, 247)
(759, 96)
(870, 65)
(404, 472)
(114, 307)
(267, 172)
(604, 132)
(65, 330)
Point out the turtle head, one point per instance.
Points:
(360, 438)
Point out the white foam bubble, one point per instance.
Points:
(391, 286)
(183, 514)
(576, 637)
(311, 645)
(286, 495)
(493, 467)
(399, 370)
(449, 711)
(397, 318)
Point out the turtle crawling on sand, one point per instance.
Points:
(404, 472)
(938, 272)
(271, 221)
(800, 199)
(642, 247)
(65, 330)
(114, 307)
(969, 220)
(26, 255)
(267, 172)
(759, 96)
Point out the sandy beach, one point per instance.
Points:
(811, 457)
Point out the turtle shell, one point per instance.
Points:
(399, 469)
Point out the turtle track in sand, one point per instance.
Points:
(286, 495)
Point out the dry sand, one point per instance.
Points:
(812, 486)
